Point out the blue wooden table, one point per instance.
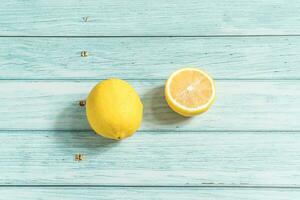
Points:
(247, 146)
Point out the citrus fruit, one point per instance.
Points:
(114, 110)
(190, 91)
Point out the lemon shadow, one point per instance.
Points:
(74, 132)
(158, 114)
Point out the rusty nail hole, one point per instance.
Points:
(85, 19)
(84, 54)
(78, 157)
(82, 103)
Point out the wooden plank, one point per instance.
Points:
(240, 105)
(149, 58)
(148, 193)
(151, 159)
(136, 17)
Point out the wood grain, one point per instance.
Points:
(145, 18)
(149, 58)
(151, 159)
(148, 193)
(240, 105)
(245, 147)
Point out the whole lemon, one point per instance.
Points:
(114, 110)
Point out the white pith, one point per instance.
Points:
(182, 106)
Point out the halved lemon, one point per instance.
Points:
(190, 91)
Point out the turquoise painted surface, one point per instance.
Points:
(148, 18)
(149, 58)
(169, 158)
(245, 147)
(58, 193)
(247, 105)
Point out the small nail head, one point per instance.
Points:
(85, 19)
(78, 157)
(84, 53)
(82, 103)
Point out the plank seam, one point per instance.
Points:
(154, 186)
(162, 131)
(150, 79)
(147, 36)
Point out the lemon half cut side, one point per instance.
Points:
(190, 91)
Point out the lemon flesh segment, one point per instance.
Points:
(114, 110)
(190, 91)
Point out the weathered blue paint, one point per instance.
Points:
(239, 159)
(245, 147)
(134, 193)
(149, 58)
(240, 105)
(149, 18)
